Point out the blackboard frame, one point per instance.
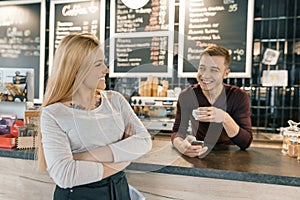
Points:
(101, 29)
(136, 73)
(42, 19)
(249, 40)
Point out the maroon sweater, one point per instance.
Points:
(232, 100)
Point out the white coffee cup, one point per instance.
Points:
(197, 114)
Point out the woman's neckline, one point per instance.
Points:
(79, 107)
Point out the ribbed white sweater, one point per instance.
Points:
(66, 130)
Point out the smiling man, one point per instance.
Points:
(219, 113)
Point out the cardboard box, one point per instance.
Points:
(30, 141)
(27, 142)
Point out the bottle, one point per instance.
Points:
(293, 149)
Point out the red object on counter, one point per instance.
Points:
(14, 128)
(10, 140)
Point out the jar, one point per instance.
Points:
(298, 157)
(288, 135)
(293, 149)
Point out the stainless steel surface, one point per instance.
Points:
(17, 108)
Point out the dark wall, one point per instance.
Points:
(276, 26)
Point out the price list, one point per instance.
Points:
(75, 17)
(78, 16)
(152, 17)
(142, 39)
(20, 40)
(144, 54)
(206, 23)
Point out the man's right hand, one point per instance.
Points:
(184, 146)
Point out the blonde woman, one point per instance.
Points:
(87, 138)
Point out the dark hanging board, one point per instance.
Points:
(141, 55)
(75, 16)
(141, 40)
(204, 23)
(22, 39)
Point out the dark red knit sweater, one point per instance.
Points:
(236, 103)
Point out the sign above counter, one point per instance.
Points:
(22, 39)
(141, 40)
(75, 16)
(204, 23)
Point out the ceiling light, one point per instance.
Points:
(134, 4)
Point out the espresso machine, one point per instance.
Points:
(156, 113)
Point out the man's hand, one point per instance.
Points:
(211, 114)
(185, 147)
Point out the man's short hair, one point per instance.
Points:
(217, 51)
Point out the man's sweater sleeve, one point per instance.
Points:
(241, 115)
(181, 119)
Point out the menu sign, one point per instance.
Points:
(22, 39)
(206, 23)
(75, 16)
(154, 16)
(141, 54)
(142, 39)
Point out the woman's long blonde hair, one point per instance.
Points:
(67, 74)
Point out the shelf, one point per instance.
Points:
(154, 101)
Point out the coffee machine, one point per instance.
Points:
(156, 113)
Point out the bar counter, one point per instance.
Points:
(263, 162)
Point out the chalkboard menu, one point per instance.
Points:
(204, 23)
(22, 44)
(75, 16)
(141, 39)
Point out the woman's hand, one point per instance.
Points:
(129, 131)
(99, 154)
(110, 169)
(104, 153)
(78, 156)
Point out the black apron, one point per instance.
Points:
(114, 187)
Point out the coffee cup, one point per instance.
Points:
(197, 114)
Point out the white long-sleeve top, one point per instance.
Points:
(66, 130)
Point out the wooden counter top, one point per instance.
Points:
(262, 162)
